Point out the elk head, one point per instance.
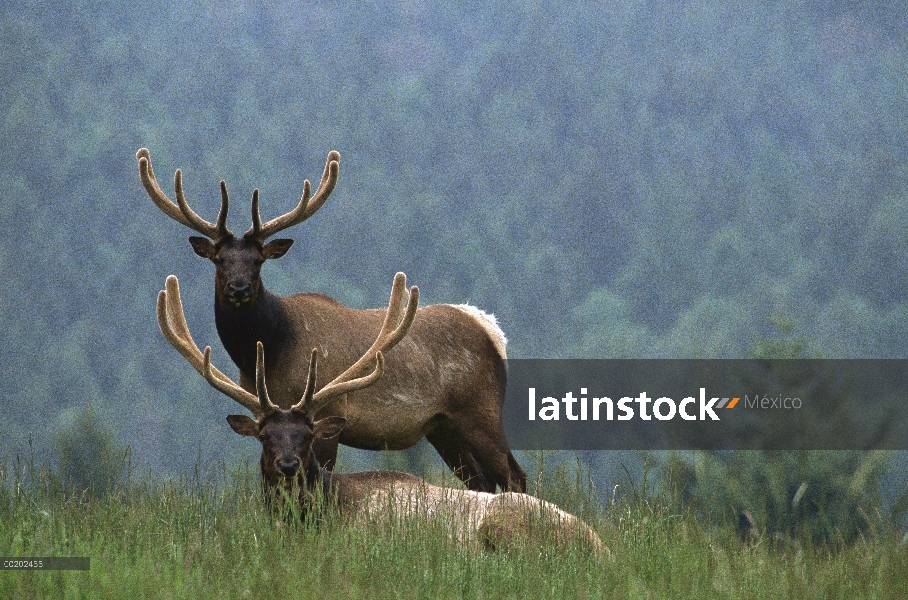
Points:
(238, 260)
(286, 435)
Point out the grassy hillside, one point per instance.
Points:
(199, 538)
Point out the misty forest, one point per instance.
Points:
(629, 179)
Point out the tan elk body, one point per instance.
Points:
(474, 519)
(477, 520)
(446, 378)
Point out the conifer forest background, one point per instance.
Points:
(683, 179)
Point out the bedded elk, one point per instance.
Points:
(458, 409)
(476, 519)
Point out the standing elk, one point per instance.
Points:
(448, 376)
(475, 519)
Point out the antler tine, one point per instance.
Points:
(261, 389)
(222, 213)
(180, 212)
(157, 195)
(172, 322)
(256, 217)
(305, 208)
(399, 296)
(326, 185)
(393, 330)
(310, 383)
(311, 403)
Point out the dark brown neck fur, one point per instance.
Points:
(262, 320)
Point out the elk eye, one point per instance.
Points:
(217, 261)
(258, 261)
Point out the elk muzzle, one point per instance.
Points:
(288, 467)
(238, 293)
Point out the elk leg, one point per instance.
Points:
(497, 462)
(517, 478)
(457, 455)
(484, 436)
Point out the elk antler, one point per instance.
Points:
(268, 407)
(395, 326)
(173, 325)
(306, 207)
(181, 212)
(310, 403)
(172, 321)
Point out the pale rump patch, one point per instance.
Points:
(479, 519)
(462, 511)
(490, 324)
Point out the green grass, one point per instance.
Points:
(199, 538)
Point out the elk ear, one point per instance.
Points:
(202, 246)
(243, 425)
(276, 248)
(328, 427)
